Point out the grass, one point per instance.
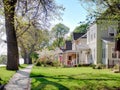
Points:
(23, 66)
(5, 75)
(80, 78)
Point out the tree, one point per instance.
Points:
(110, 8)
(22, 6)
(81, 29)
(59, 31)
(30, 42)
(12, 46)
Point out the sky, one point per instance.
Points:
(73, 14)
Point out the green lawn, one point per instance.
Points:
(80, 78)
(5, 75)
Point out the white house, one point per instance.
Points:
(94, 47)
(100, 39)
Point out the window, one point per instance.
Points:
(94, 35)
(69, 58)
(111, 32)
(114, 55)
(118, 54)
(94, 53)
(91, 37)
(103, 53)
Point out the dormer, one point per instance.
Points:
(111, 32)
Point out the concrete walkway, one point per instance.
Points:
(1, 65)
(20, 81)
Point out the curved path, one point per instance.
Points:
(20, 81)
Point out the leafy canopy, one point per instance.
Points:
(81, 28)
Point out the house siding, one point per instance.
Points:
(96, 32)
(92, 43)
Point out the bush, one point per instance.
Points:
(93, 66)
(98, 66)
(75, 65)
(50, 63)
(116, 66)
(79, 65)
(56, 63)
(38, 63)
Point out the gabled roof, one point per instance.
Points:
(77, 35)
(84, 36)
(68, 46)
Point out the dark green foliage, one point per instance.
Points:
(38, 63)
(47, 63)
(75, 65)
(81, 29)
(59, 31)
(93, 66)
(79, 65)
(34, 56)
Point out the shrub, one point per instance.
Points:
(98, 66)
(34, 56)
(75, 65)
(50, 63)
(93, 66)
(38, 63)
(56, 63)
(116, 66)
(79, 65)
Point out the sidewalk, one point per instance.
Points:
(20, 81)
(1, 65)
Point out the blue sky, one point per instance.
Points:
(73, 14)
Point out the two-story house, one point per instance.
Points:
(68, 55)
(94, 47)
(101, 41)
(80, 45)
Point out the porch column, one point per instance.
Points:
(66, 58)
(76, 58)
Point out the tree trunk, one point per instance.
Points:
(27, 58)
(24, 57)
(12, 46)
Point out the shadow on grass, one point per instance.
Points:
(44, 82)
(98, 82)
(69, 77)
